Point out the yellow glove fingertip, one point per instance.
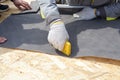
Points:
(42, 15)
(110, 18)
(67, 48)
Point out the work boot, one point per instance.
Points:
(3, 8)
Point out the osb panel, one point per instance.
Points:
(27, 65)
(12, 9)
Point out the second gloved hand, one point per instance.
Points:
(87, 13)
(58, 35)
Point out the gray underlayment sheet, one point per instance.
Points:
(89, 38)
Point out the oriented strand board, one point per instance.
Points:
(27, 65)
(13, 9)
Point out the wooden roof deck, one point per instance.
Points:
(27, 65)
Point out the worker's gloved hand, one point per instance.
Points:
(87, 13)
(58, 35)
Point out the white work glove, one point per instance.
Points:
(87, 13)
(58, 35)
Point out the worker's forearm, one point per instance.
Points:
(49, 10)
